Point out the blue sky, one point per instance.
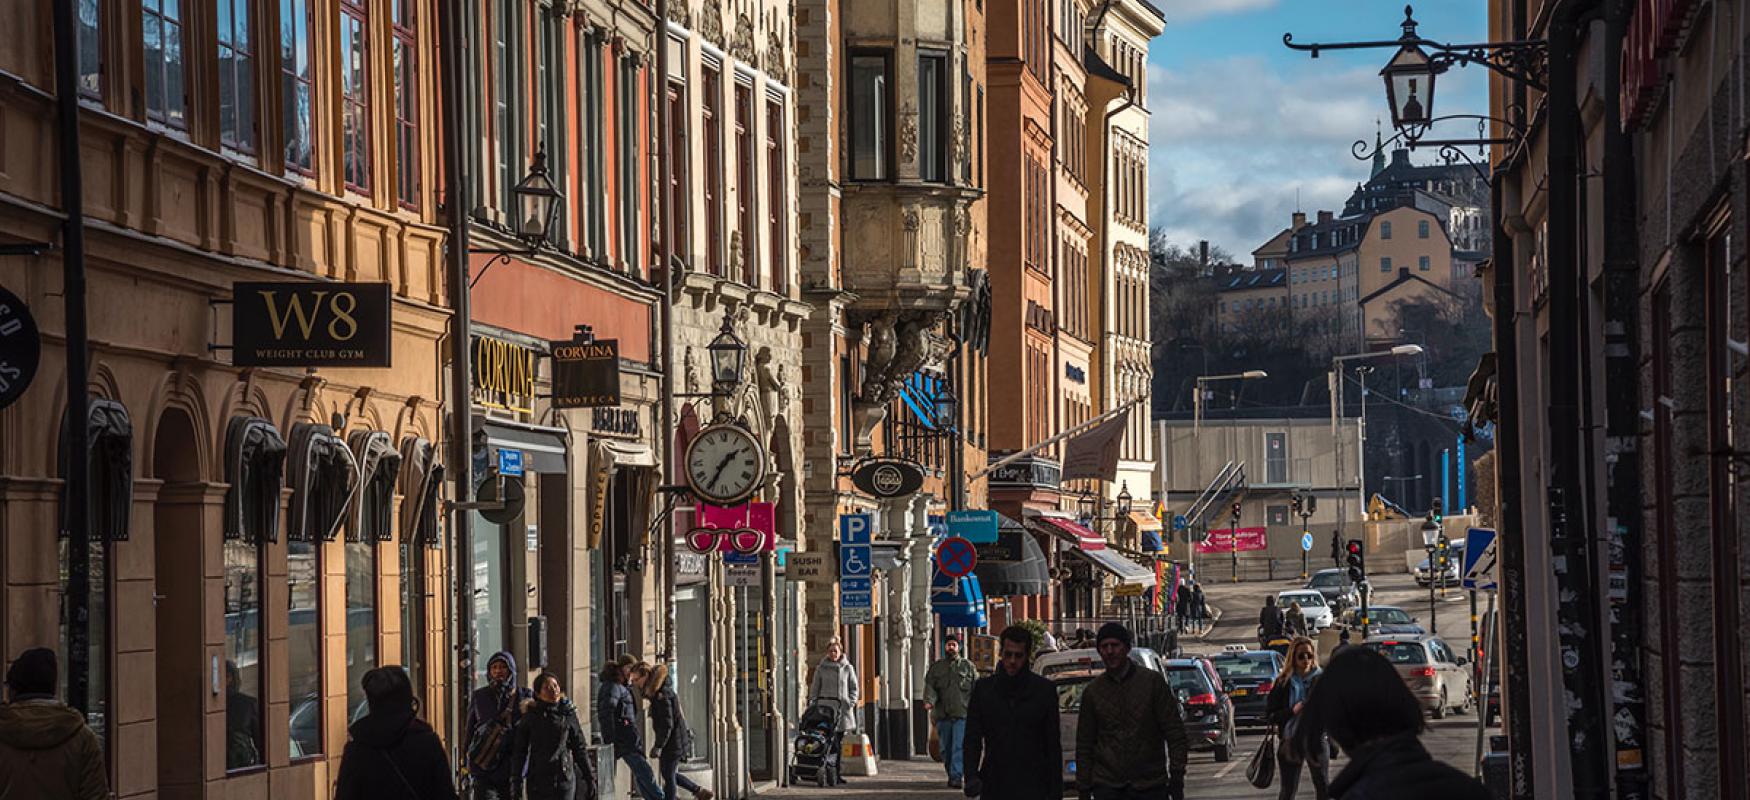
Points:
(1240, 122)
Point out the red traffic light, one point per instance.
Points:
(1354, 547)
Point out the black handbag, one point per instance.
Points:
(1261, 772)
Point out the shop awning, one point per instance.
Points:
(1092, 546)
(543, 448)
(1148, 528)
(1014, 565)
(959, 602)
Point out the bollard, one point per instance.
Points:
(857, 756)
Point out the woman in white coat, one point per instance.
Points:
(835, 684)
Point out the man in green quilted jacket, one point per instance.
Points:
(1130, 725)
(947, 685)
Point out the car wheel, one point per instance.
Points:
(1440, 708)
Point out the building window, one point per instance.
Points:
(679, 202)
(162, 35)
(1421, 229)
(592, 205)
(1385, 263)
(711, 116)
(746, 189)
(296, 82)
(777, 199)
(361, 622)
(1385, 230)
(236, 34)
(933, 117)
(980, 137)
(870, 118)
(507, 94)
(1423, 264)
(304, 645)
(404, 55)
(90, 22)
(243, 655)
(355, 100)
(629, 166)
(1276, 457)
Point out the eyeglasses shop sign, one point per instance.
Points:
(310, 324)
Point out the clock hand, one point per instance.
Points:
(724, 464)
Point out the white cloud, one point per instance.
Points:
(1187, 10)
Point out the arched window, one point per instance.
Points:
(324, 478)
(110, 499)
(422, 480)
(255, 458)
(379, 467)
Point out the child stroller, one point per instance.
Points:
(814, 754)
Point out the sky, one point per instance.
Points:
(1241, 125)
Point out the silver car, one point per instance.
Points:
(1439, 678)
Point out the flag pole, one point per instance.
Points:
(1079, 429)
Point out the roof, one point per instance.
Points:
(1404, 276)
(1319, 229)
(1097, 67)
(1278, 244)
(1156, 9)
(1246, 279)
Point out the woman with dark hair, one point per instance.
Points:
(671, 739)
(1362, 704)
(549, 756)
(391, 753)
(1300, 673)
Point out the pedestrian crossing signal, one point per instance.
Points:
(1357, 561)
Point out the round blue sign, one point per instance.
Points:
(1306, 542)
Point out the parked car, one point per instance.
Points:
(1449, 576)
(1387, 620)
(1249, 675)
(1313, 606)
(1334, 584)
(1209, 713)
(1087, 658)
(1437, 677)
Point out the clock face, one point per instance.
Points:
(725, 464)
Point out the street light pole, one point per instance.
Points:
(1337, 379)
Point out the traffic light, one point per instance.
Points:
(1438, 510)
(1312, 504)
(1295, 504)
(1357, 561)
(1236, 511)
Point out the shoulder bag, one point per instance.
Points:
(1261, 772)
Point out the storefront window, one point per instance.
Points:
(489, 595)
(693, 661)
(304, 646)
(97, 641)
(753, 677)
(243, 733)
(361, 622)
(412, 611)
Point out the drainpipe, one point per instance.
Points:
(461, 460)
(665, 320)
(78, 429)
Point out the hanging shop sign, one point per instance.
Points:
(616, 421)
(745, 529)
(504, 374)
(586, 374)
(310, 324)
(1031, 472)
(888, 478)
(21, 348)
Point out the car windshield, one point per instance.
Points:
(1188, 680)
(1391, 616)
(1069, 693)
(1400, 652)
(1327, 579)
(1303, 598)
(1249, 667)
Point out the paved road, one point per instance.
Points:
(1452, 740)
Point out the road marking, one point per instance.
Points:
(1227, 769)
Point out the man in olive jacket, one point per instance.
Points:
(1014, 747)
(1129, 716)
(947, 686)
(46, 750)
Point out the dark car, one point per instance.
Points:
(1386, 620)
(1209, 714)
(1249, 675)
(1335, 585)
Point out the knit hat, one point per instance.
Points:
(34, 672)
(1113, 630)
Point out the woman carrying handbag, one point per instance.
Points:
(1299, 674)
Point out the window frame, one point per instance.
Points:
(777, 194)
(241, 70)
(91, 45)
(854, 118)
(711, 124)
(259, 548)
(1385, 229)
(746, 185)
(933, 117)
(358, 140)
(679, 157)
(317, 561)
(177, 121)
(404, 67)
(1422, 229)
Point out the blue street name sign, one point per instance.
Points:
(977, 526)
(510, 463)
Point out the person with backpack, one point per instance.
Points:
(47, 752)
(617, 721)
(493, 714)
(549, 755)
(671, 740)
(391, 754)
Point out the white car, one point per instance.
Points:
(1318, 613)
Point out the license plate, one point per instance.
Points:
(1242, 692)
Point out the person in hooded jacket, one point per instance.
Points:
(617, 720)
(1361, 703)
(391, 754)
(498, 703)
(671, 741)
(549, 755)
(46, 750)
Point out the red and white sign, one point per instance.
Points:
(747, 528)
(956, 557)
(1224, 540)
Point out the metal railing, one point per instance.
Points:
(1231, 477)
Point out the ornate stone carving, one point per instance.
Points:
(908, 134)
(680, 13)
(742, 46)
(737, 260)
(711, 21)
(774, 55)
(961, 221)
(960, 150)
(898, 344)
(911, 219)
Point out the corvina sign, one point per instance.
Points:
(310, 324)
(888, 477)
(504, 374)
(21, 347)
(586, 374)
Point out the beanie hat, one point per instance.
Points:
(1113, 630)
(34, 672)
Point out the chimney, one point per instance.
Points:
(1325, 217)
(1203, 252)
(1299, 220)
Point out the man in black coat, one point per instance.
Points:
(1014, 749)
(391, 752)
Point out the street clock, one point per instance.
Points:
(725, 464)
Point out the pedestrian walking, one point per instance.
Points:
(392, 754)
(550, 755)
(1182, 605)
(1336, 549)
(1199, 606)
(493, 713)
(1342, 643)
(1283, 709)
(947, 686)
(835, 685)
(1269, 621)
(47, 752)
(242, 722)
(1129, 716)
(671, 738)
(1361, 704)
(1014, 746)
(617, 721)
(1294, 620)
